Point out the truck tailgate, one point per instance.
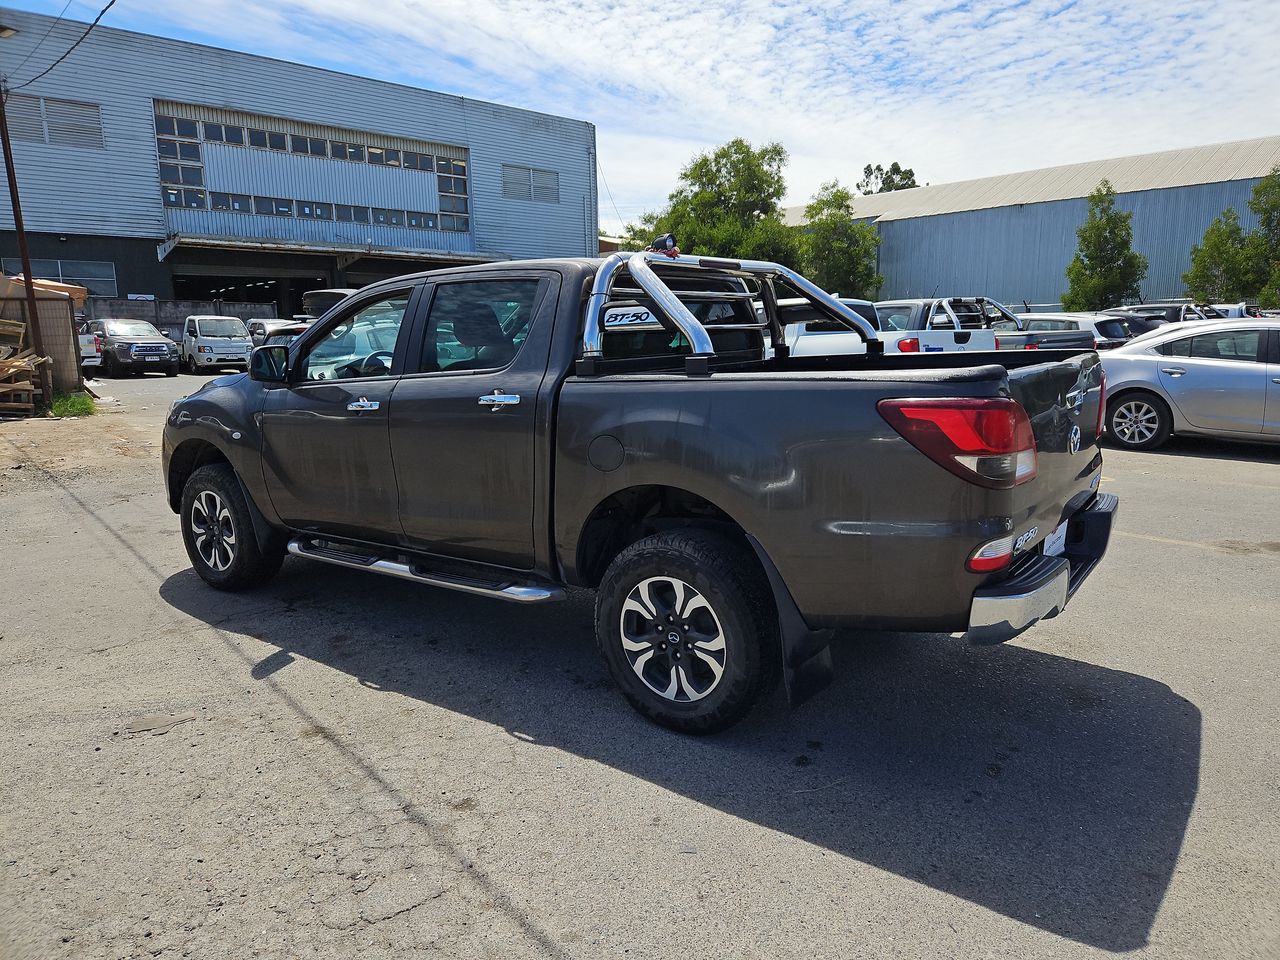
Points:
(1062, 400)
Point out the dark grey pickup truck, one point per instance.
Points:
(509, 430)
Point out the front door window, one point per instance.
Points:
(359, 345)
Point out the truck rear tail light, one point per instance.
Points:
(985, 441)
(97, 342)
(1102, 401)
(1031, 346)
(909, 345)
(993, 555)
(997, 343)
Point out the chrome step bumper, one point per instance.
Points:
(1043, 585)
(514, 592)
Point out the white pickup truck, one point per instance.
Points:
(810, 335)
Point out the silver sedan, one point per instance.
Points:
(1220, 378)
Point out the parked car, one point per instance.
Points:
(491, 430)
(1108, 331)
(957, 317)
(1235, 310)
(126, 346)
(316, 303)
(1220, 378)
(211, 342)
(285, 335)
(90, 346)
(1145, 317)
(809, 333)
(259, 329)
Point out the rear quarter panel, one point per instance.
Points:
(865, 530)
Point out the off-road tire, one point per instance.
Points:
(727, 575)
(248, 566)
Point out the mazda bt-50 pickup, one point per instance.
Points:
(634, 426)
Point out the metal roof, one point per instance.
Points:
(1215, 163)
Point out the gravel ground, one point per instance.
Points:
(359, 767)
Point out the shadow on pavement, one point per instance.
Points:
(1049, 790)
(1210, 448)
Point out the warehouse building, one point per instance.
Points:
(1011, 237)
(152, 167)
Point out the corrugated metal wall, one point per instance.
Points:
(1021, 253)
(115, 191)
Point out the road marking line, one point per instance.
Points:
(1176, 543)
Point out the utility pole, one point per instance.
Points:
(33, 317)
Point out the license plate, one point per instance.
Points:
(151, 359)
(1055, 544)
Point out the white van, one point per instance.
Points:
(210, 342)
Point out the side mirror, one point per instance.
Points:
(270, 364)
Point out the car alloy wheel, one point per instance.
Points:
(673, 639)
(1135, 422)
(215, 533)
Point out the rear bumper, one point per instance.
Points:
(1041, 586)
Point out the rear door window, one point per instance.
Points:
(1223, 345)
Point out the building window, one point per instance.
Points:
(315, 211)
(309, 145)
(340, 150)
(390, 218)
(450, 222)
(452, 184)
(176, 173)
(213, 131)
(175, 197)
(528, 183)
(384, 156)
(98, 276)
(234, 135)
(347, 214)
(236, 202)
(273, 206)
(450, 204)
(419, 161)
(423, 221)
(450, 167)
(268, 139)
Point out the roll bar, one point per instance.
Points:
(670, 304)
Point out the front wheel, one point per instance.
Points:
(1139, 421)
(218, 532)
(687, 627)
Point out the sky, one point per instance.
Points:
(952, 90)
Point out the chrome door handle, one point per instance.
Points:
(499, 400)
(1275, 380)
(1173, 371)
(364, 403)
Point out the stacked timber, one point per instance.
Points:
(18, 379)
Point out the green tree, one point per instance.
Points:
(726, 204)
(1105, 269)
(838, 253)
(1262, 246)
(879, 180)
(1219, 268)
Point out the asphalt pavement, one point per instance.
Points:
(342, 765)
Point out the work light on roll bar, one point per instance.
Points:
(673, 308)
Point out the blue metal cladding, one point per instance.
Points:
(115, 191)
(1021, 252)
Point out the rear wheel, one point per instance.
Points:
(686, 625)
(218, 532)
(1139, 421)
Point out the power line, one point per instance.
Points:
(40, 42)
(88, 30)
(605, 181)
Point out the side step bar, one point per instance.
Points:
(517, 593)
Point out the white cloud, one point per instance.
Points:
(954, 90)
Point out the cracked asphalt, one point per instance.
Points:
(341, 765)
